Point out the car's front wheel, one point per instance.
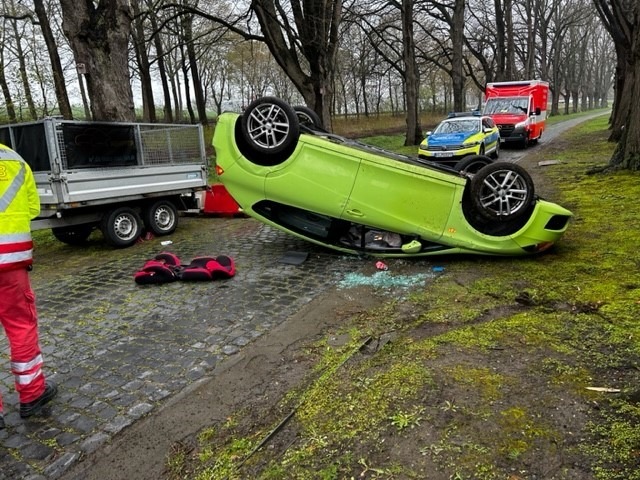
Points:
(502, 191)
(269, 131)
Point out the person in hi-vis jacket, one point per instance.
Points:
(19, 203)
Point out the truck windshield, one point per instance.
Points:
(514, 105)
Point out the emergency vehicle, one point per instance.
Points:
(519, 109)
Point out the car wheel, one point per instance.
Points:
(161, 217)
(307, 117)
(502, 191)
(472, 163)
(269, 130)
(74, 234)
(121, 227)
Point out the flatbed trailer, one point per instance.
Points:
(123, 178)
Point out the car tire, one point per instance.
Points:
(269, 131)
(496, 153)
(502, 191)
(308, 118)
(472, 163)
(121, 227)
(73, 234)
(161, 217)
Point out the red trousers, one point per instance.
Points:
(20, 322)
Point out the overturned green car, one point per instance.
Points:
(286, 171)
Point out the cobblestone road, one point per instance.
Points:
(118, 349)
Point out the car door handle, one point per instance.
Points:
(355, 213)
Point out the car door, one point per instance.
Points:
(318, 177)
(402, 197)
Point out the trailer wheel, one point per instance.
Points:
(161, 217)
(74, 234)
(121, 227)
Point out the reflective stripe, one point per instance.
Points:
(6, 258)
(26, 366)
(15, 237)
(10, 193)
(27, 379)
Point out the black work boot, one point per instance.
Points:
(31, 408)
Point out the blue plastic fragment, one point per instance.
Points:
(437, 269)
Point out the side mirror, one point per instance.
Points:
(428, 133)
(538, 111)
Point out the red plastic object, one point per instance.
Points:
(217, 201)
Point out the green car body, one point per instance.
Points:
(327, 188)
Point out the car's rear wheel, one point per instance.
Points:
(502, 191)
(307, 117)
(269, 131)
(472, 163)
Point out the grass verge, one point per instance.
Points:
(501, 368)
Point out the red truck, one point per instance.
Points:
(519, 109)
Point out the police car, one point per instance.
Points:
(460, 135)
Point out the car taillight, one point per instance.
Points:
(219, 170)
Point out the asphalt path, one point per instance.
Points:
(515, 154)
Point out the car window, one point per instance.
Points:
(458, 126)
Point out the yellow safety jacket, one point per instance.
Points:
(19, 203)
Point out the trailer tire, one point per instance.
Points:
(161, 217)
(121, 227)
(73, 234)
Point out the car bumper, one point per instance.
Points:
(448, 157)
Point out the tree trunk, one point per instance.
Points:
(411, 74)
(6, 93)
(157, 43)
(56, 65)
(187, 25)
(316, 26)
(99, 38)
(457, 68)
(144, 66)
(22, 68)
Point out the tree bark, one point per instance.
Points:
(22, 68)
(99, 37)
(412, 76)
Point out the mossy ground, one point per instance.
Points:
(488, 370)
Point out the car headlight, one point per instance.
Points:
(470, 144)
(521, 125)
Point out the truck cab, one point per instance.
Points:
(519, 109)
